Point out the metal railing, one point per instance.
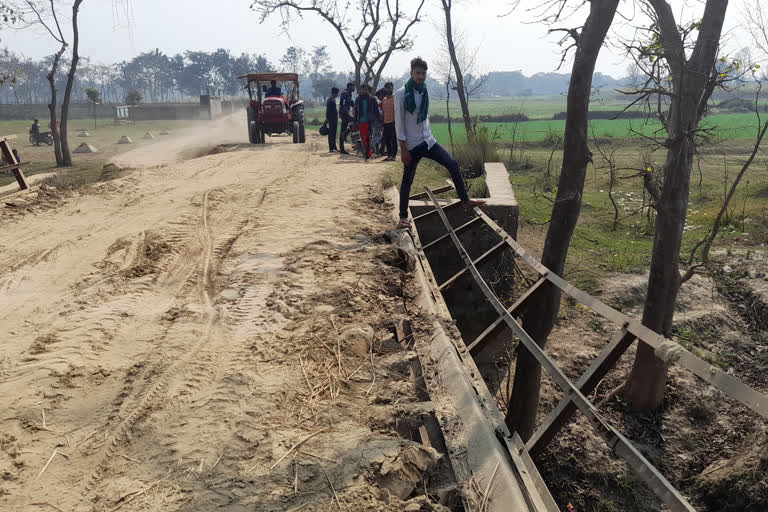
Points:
(576, 393)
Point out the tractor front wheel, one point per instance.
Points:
(302, 133)
(296, 132)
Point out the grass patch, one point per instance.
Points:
(597, 248)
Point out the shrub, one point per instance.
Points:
(760, 228)
(472, 154)
(553, 138)
(133, 97)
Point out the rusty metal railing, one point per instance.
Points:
(575, 393)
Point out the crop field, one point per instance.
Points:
(541, 127)
(724, 126)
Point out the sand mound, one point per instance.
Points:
(83, 134)
(125, 140)
(85, 148)
(149, 136)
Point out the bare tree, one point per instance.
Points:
(8, 16)
(293, 59)
(682, 75)
(458, 72)
(50, 22)
(66, 155)
(705, 244)
(473, 84)
(381, 28)
(541, 312)
(757, 24)
(444, 68)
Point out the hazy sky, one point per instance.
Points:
(109, 34)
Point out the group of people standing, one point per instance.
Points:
(372, 116)
(405, 118)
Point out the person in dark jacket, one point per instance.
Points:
(345, 105)
(35, 130)
(332, 116)
(273, 90)
(366, 113)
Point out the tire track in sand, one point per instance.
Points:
(123, 431)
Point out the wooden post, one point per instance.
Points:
(11, 159)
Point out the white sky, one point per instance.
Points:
(173, 26)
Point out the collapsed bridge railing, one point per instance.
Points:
(12, 165)
(575, 393)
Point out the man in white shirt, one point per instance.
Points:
(416, 139)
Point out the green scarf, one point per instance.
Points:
(410, 101)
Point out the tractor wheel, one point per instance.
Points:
(302, 133)
(252, 133)
(295, 132)
(260, 136)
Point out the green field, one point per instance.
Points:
(725, 126)
(540, 110)
(722, 126)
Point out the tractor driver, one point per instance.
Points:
(273, 90)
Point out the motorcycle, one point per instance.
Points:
(46, 137)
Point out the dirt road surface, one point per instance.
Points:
(205, 333)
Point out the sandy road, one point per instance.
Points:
(169, 335)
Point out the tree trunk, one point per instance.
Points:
(448, 104)
(541, 313)
(52, 105)
(447, 5)
(644, 389)
(358, 66)
(66, 154)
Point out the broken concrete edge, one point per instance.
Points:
(474, 449)
(504, 211)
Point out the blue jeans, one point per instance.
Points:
(437, 154)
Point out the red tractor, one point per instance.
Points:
(269, 112)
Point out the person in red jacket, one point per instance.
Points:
(366, 112)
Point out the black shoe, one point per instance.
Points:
(344, 152)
